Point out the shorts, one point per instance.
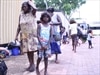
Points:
(44, 53)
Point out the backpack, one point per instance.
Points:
(3, 67)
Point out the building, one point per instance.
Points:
(9, 15)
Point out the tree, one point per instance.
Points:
(68, 6)
(40, 4)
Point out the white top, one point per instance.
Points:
(56, 29)
(89, 36)
(73, 28)
(45, 33)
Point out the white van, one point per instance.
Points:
(95, 28)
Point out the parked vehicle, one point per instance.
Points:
(95, 27)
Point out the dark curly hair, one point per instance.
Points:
(89, 31)
(45, 14)
(29, 7)
(50, 10)
(72, 21)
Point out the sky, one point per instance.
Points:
(90, 11)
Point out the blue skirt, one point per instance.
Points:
(55, 48)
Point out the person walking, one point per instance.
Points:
(44, 32)
(73, 33)
(64, 36)
(89, 39)
(27, 26)
(56, 25)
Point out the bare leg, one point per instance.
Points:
(37, 66)
(28, 55)
(75, 45)
(75, 48)
(46, 65)
(31, 67)
(91, 45)
(56, 58)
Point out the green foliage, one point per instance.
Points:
(68, 6)
(40, 4)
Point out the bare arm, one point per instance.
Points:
(59, 21)
(34, 12)
(17, 33)
(50, 37)
(18, 30)
(33, 8)
(38, 34)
